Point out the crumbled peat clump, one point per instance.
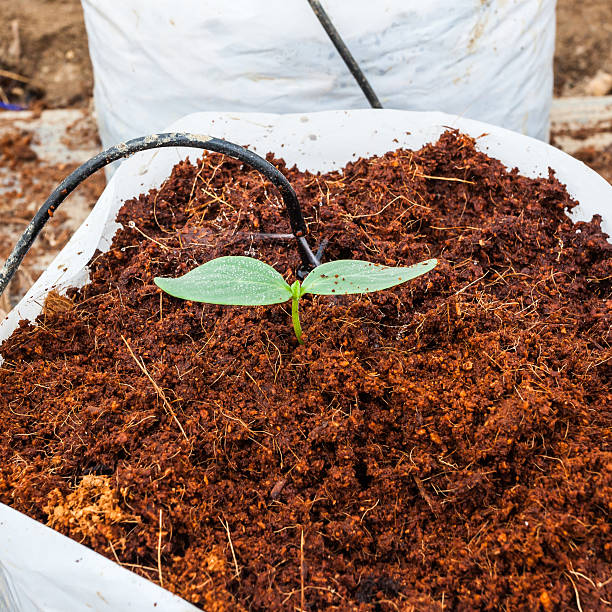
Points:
(444, 444)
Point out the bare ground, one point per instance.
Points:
(45, 42)
(584, 44)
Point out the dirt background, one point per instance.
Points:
(45, 41)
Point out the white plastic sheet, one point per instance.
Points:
(157, 61)
(38, 567)
(43, 571)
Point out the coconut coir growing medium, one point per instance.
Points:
(440, 445)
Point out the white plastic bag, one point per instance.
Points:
(157, 61)
(40, 565)
(43, 571)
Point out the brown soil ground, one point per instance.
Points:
(441, 445)
(52, 48)
(584, 44)
(599, 160)
(45, 41)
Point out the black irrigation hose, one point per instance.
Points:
(71, 182)
(344, 52)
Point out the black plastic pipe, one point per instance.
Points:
(345, 54)
(198, 141)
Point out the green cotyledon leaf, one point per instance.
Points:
(232, 280)
(345, 276)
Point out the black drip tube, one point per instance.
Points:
(198, 141)
(345, 54)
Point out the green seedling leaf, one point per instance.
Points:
(346, 276)
(241, 281)
(245, 281)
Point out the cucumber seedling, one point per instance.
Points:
(245, 281)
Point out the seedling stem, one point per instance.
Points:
(296, 293)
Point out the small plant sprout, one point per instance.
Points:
(244, 281)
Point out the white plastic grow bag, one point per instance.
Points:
(489, 60)
(43, 570)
